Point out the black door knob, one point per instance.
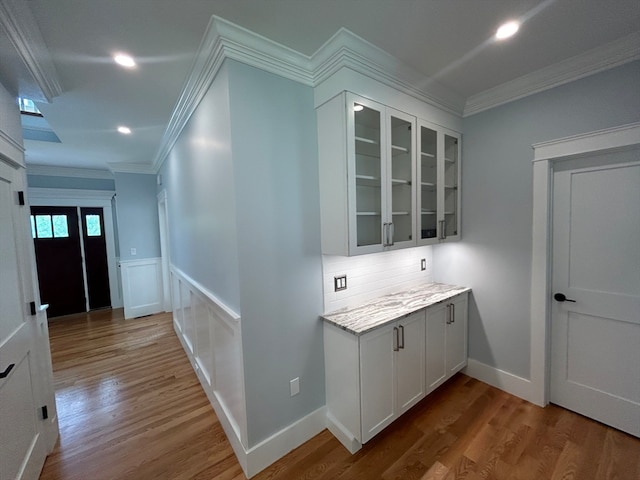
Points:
(561, 297)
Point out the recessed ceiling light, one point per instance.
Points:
(124, 130)
(507, 30)
(124, 60)
(357, 107)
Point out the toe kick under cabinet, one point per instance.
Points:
(384, 357)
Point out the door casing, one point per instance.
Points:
(546, 156)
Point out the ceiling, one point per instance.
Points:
(447, 40)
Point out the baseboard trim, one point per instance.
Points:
(508, 382)
(278, 445)
(342, 434)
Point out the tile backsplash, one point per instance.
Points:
(371, 276)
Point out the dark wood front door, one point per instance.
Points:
(59, 259)
(95, 252)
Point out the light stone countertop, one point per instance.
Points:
(380, 311)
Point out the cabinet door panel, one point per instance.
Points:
(401, 176)
(410, 361)
(457, 336)
(377, 380)
(436, 334)
(366, 173)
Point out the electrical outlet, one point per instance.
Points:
(134, 251)
(339, 283)
(423, 264)
(294, 386)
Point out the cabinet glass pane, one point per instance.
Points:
(450, 185)
(368, 175)
(428, 183)
(401, 176)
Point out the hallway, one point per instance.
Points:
(131, 408)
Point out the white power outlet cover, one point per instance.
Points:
(294, 385)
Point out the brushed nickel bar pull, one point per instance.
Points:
(396, 339)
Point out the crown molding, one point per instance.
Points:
(125, 167)
(344, 49)
(51, 171)
(22, 30)
(619, 52)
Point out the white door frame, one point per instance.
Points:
(163, 216)
(60, 197)
(546, 155)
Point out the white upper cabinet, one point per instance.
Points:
(439, 182)
(387, 180)
(367, 176)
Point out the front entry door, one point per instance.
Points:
(595, 331)
(59, 259)
(95, 255)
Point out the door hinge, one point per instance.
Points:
(32, 308)
(45, 412)
(21, 198)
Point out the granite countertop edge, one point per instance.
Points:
(380, 311)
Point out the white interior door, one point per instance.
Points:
(22, 448)
(595, 332)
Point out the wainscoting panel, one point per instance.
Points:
(141, 287)
(211, 336)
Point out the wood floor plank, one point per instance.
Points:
(131, 408)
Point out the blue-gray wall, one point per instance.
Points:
(275, 157)
(75, 183)
(199, 180)
(494, 256)
(244, 221)
(137, 208)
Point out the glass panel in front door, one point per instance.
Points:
(368, 175)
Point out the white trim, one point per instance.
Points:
(87, 198)
(51, 171)
(615, 138)
(24, 34)
(226, 312)
(125, 167)
(165, 251)
(619, 52)
(508, 382)
(141, 287)
(224, 39)
(279, 444)
(11, 151)
(343, 435)
(546, 154)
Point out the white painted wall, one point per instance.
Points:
(494, 255)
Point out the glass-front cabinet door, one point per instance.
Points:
(438, 178)
(367, 173)
(381, 172)
(401, 180)
(451, 179)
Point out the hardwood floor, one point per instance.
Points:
(130, 407)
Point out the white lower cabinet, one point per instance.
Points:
(391, 372)
(446, 327)
(374, 378)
